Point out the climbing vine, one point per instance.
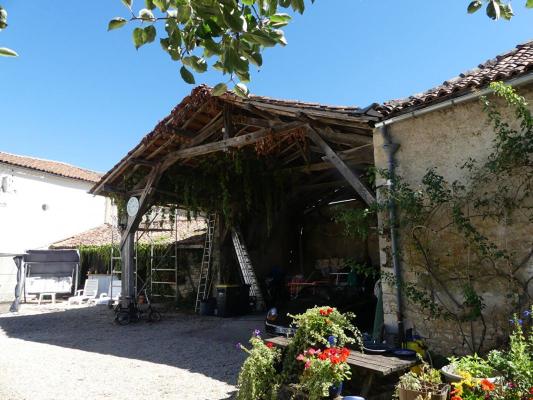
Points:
(234, 184)
(457, 234)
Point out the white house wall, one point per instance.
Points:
(37, 209)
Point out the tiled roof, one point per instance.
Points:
(201, 103)
(189, 232)
(51, 167)
(512, 64)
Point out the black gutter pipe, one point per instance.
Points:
(390, 149)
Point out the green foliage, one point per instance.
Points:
(427, 380)
(4, 51)
(473, 365)
(233, 33)
(496, 191)
(315, 359)
(258, 379)
(234, 184)
(516, 363)
(495, 9)
(323, 369)
(313, 329)
(356, 221)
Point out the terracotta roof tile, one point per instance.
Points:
(189, 232)
(51, 167)
(512, 64)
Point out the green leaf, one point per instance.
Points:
(529, 4)
(196, 63)
(127, 3)
(241, 90)
(256, 59)
(138, 37)
(493, 10)
(186, 75)
(298, 5)
(163, 5)
(220, 89)
(280, 18)
(259, 37)
(5, 52)
(149, 4)
(506, 11)
(116, 23)
(474, 6)
(3, 15)
(248, 3)
(149, 34)
(146, 15)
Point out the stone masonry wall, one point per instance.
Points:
(445, 139)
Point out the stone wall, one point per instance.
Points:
(445, 139)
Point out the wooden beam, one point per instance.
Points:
(214, 125)
(152, 180)
(352, 179)
(228, 122)
(191, 119)
(323, 166)
(259, 122)
(238, 141)
(350, 139)
(140, 161)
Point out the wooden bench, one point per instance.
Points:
(371, 364)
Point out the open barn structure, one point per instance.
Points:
(265, 166)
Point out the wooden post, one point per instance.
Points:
(128, 266)
(333, 157)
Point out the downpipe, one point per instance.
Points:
(390, 149)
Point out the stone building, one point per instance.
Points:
(442, 129)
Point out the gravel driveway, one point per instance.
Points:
(56, 352)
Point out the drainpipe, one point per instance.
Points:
(390, 149)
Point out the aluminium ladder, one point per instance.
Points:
(247, 270)
(205, 269)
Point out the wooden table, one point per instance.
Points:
(371, 364)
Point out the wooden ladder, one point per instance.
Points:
(247, 270)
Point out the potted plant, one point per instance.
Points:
(315, 329)
(258, 378)
(324, 371)
(471, 365)
(426, 385)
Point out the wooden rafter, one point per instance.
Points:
(349, 139)
(133, 222)
(332, 156)
(238, 141)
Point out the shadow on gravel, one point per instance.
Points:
(204, 345)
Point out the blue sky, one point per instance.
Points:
(85, 96)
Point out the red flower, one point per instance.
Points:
(326, 311)
(456, 398)
(487, 385)
(270, 345)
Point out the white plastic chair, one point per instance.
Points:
(87, 293)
